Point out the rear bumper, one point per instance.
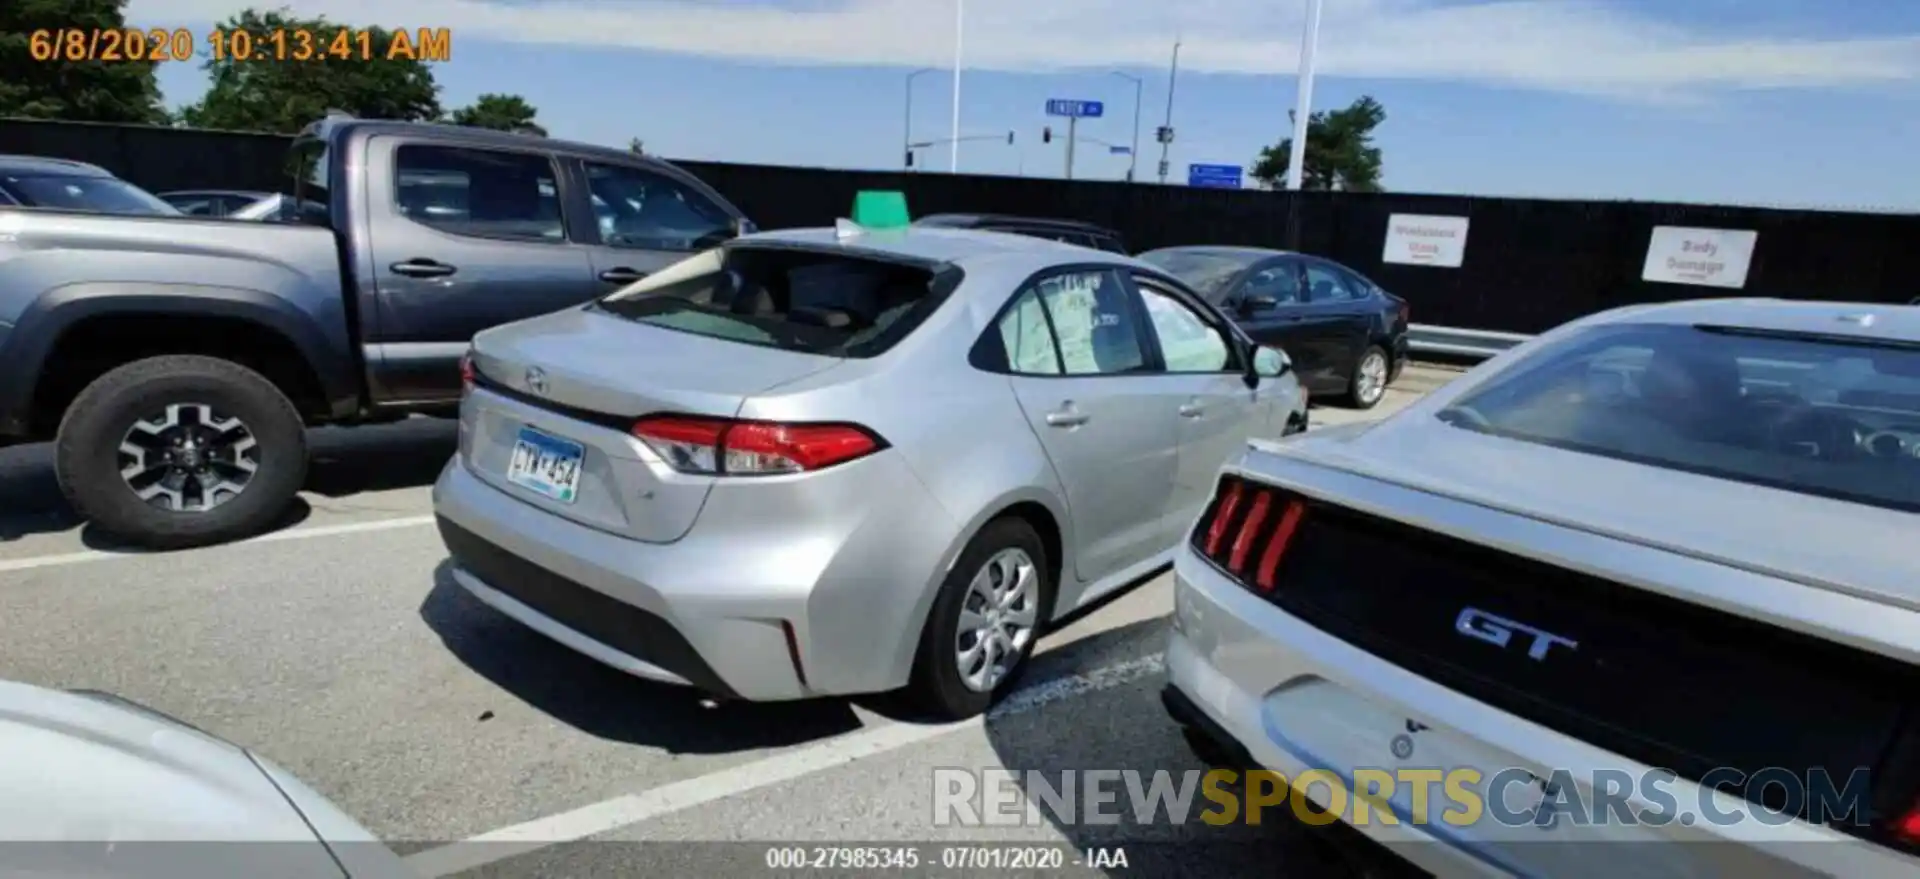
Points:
(723, 610)
(1294, 699)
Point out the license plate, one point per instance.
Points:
(545, 464)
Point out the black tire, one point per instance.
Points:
(86, 450)
(936, 687)
(1357, 395)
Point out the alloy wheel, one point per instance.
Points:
(998, 617)
(188, 458)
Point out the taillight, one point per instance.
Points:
(722, 446)
(1907, 827)
(467, 373)
(1261, 522)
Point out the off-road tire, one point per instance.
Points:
(86, 450)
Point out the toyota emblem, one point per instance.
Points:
(537, 380)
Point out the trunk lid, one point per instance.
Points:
(571, 384)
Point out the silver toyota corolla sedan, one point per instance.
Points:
(842, 461)
(1647, 580)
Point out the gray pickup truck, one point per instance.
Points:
(175, 360)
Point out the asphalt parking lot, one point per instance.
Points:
(339, 648)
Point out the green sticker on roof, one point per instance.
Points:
(875, 209)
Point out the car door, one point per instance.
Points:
(1079, 367)
(646, 220)
(1339, 320)
(1201, 361)
(1283, 324)
(464, 239)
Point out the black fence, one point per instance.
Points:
(1530, 263)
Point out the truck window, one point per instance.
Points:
(635, 207)
(479, 193)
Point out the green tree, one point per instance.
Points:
(1340, 151)
(270, 94)
(501, 113)
(34, 82)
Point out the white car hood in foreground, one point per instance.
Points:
(1851, 548)
(98, 787)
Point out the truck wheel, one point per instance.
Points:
(984, 622)
(180, 451)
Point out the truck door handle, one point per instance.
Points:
(621, 275)
(1067, 416)
(422, 268)
(1192, 410)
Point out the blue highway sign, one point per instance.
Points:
(1075, 109)
(1214, 176)
(1120, 150)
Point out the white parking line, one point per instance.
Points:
(100, 555)
(629, 809)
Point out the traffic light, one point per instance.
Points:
(1046, 134)
(1009, 138)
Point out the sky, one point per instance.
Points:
(1772, 102)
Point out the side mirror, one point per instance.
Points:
(1257, 304)
(1270, 362)
(742, 226)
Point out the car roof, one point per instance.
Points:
(960, 220)
(1884, 321)
(929, 244)
(1225, 250)
(42, 165)
(341, 125)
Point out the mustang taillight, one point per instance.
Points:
(1247, 529)
(1906, 828)
(728, 447)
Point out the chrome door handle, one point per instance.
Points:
(1067, 418)
(1192, 410)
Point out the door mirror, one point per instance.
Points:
(742, 226)
(1270, 362)
(1257, 304)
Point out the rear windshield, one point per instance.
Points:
(1823, 415)
(820, 303)
(74, 193)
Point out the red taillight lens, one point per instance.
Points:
(752, 448)
(1223, 512)
(467, 374)
(1277, 546)
(1907, 827)
(1256, 515)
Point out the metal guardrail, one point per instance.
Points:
(1458, 342)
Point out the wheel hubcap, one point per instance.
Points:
(1373, 377)
(997, 619)
(188, 458)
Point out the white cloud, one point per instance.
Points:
(1583, 46)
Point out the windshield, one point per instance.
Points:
(1206, 271)
(819, 303)
(1830, 416)
(103, 194)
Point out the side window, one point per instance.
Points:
(1109, 244)
(636, 207)
(1093, 322)
(1361, 287)
(480, 193)
(199, 207)
(1187, 341)
(1280, 282)
(1324, 284)
(1029, 343)
(233, 203)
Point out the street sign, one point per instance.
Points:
(1074, 109)
(1119, 151)
(1214, 176)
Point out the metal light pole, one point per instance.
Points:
(1303, 104)
(1173, 71)
(906, 138)
(959, 29)
(1133, 157)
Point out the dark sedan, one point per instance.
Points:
(1346, 336)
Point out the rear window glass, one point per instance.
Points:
(798, 300)
(1822, 415)
(103, 194)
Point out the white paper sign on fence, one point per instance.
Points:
(1703, 257)
(1417, 240)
